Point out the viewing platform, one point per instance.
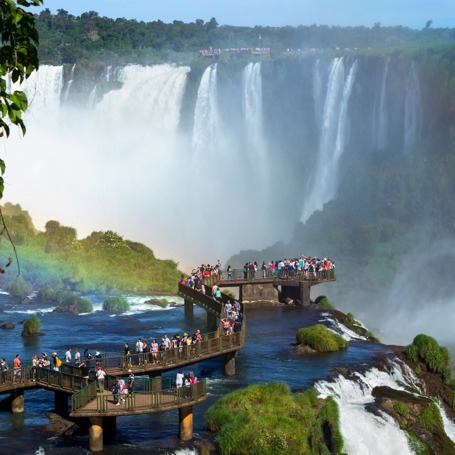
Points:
(77, 396)
(277, 286)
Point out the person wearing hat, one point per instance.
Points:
(130, 382)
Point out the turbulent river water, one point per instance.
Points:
(267, 356)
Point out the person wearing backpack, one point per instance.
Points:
(57, 362)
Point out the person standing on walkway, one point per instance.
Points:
(3, 370)
(68, 355)
(179, 379)
(100, 376)
(17, 368)
(130, 382)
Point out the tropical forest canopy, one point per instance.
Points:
(65, 38)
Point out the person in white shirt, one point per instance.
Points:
(68, 355)
(179, 379)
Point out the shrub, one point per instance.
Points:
(324, 302)
(75, 304)
(31, 326)
(20, 288)
(351, 319)
(321, 339)
(116, 305)
(427, 349)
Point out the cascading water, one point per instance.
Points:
(365, 432)
(206, 131)
(254, 125)
(257, 136)
(69, 84)
(323, 184)
(411, 111)
(382, 122)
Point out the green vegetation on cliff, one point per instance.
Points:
(270, 420)
(321, 339)
(426, 349)
(102, 262)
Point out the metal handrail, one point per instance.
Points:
(148, 400)
(283, 274)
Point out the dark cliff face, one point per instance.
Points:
(419, 415)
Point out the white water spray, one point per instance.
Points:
(364, 432)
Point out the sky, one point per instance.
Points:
(409, 13)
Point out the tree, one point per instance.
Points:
(18, 59)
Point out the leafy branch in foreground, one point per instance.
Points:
(18, 59)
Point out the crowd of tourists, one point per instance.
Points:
(142, 354)
(309, 267)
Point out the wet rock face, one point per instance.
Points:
(7, 326)
(417, 415)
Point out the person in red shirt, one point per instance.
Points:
(17, 367)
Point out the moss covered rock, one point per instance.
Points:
(321, 339)
(116, 304)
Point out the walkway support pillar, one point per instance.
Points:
(229, 363)
(95, 434)
(61, 403)
(304, 293)
(186, 423)
(109, 428)
(17, 401)
(189, 314)
(211, 320)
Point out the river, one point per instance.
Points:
(267, 356)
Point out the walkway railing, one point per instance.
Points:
(297, 275)
(202, 300)
(88, 401)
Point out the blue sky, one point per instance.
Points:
(409, 13)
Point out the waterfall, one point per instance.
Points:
(411, 111)
(253, 112)
(318, 88)
(68, 84)
(206, 129)
(323, 184)
(43, 89)
(363, 430)
(254, 127)
(150, 97)
(382, 124)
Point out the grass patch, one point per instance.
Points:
(321, 339)
(268, 419)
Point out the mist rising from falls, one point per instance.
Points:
(143, 152)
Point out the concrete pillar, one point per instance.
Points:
(241, 293)
(17, 401)
(211, 321)
(188, 307)
(186, 423)
(61, 403)
(229, 363)
(305, 294)
(109, 427)
(95, 434)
